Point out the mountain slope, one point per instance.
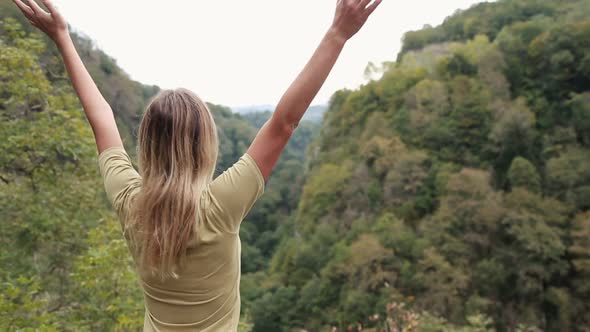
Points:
(126, 97)
(458, 184)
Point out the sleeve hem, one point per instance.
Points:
(109, 150)
(259, 176)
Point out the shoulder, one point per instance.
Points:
(121, 180)
(250, 164)
(232, 194)
(243, 174)
(115, 158)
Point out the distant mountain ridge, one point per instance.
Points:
(253, 108)
(314, 113)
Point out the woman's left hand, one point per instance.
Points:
(52, 23)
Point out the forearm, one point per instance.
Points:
(303, 90)
(97, 110)
(94, 104)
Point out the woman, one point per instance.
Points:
(181, 225)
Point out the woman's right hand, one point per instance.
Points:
(351, 15)
(52, 24)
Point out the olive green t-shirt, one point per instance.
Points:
(206, 294)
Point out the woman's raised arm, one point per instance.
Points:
(98, 111)
(270, 141)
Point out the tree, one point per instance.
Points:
(524, 174)
(580, 105)
(568, 175)
(513, 134)
(536, 225)
(580, 250)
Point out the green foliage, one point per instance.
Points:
(274, 311)
(580, 105)
(513, 135)
(22, 306)
(457, 183)
(484, 18)
(523, 174)
(105, 284)
(536, 226)
(457, 65)
(458, 179)
(568, 176)
(580, 250)
(51, 201)
(321, 192)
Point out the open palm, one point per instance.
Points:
(52, 22)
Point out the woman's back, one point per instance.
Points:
(205, 294)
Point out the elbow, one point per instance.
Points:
(290, 127)
(282, 125)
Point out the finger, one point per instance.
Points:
(33, 23)
(50, 6)
(53, 10)
(373, 6)
(364, 3)
(36, 9)
(24, 8)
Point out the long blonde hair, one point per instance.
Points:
(177, 148)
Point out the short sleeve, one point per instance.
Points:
(121, 180)
(233, 193)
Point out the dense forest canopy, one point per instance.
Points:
(450, 194)
(455, 188)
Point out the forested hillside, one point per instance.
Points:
(127, 97)
(63, 259)
(452, 193)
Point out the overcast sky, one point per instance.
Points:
(237, 52)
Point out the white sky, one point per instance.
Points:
(237, 52)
